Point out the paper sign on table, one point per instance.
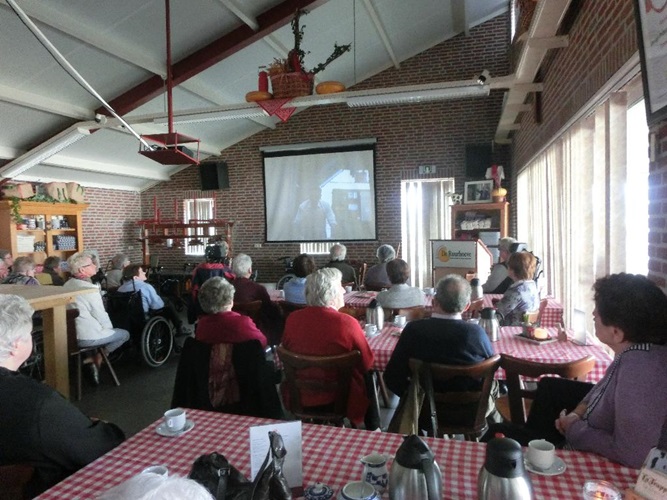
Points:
(259, 447)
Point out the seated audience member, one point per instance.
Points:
(134, 280)
(295, 289)
(23, 273)
(621, 416)
(7, 258)
(443, 338)
(115, 274)
(522, 295)
(93, 325)
(52, 268)
(215, 265)
(376, 276)
(337, 253)
(249, 291)
(149, 486)
(320, 330)
(499, 281)
(220, 324)
(39, 427)
(400, 294)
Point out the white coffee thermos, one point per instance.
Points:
(477, 292)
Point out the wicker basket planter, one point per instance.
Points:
(294, 84)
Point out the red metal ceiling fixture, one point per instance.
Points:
(170, 148)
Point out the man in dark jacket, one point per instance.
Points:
(39, 427)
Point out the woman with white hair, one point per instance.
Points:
(93, 325)
(150, 486)
(499, 281)
(38, 426)
(337, 253)
(320, 330)
(220, 324)
(377, 277)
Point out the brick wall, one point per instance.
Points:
(602, 38)
(407, 136)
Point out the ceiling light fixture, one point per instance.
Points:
(414, 97)
(45, 150)
(213, 116)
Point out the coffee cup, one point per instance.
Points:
(541, 453)
(358, 490)
(175, 419)
(348, 289)
(370, 330)
(601, 489)
(400, 320)
(281, 294)
(160, 470)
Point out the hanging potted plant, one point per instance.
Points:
(15, 209)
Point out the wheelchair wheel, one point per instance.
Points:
(283, 280)
(157, 341)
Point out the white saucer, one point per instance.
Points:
(163, 430)
(558, 467)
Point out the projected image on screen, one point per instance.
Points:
(320, 194)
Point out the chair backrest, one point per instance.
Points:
(376, 287)
(361, 273)
(543, 307)
(13, 480)
(355, 312)
(252, 309)
(456, 412)
(126, 311)
(288, 308)
(299, 377)
(515, 368)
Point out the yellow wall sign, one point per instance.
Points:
(443, 254)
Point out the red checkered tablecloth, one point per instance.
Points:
(331, 455)
(383, 346)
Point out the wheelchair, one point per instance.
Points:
(153, 333)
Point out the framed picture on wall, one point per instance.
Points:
(478, 192)
(651, 17)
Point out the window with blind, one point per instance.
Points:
(198, 209)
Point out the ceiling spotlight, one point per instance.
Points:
(481, 79)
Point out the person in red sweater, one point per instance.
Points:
(220, 324)
(320, 330)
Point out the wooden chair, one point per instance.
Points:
(288, 308)
(252, 309)
(456, 412)
(517, 392)
(13, 480)
(361, 273)
(355, 312)
(343, 365)
(74, 350)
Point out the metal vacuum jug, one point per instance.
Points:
(375, 315)
(503, 477)
(489, 321)
(415, 473)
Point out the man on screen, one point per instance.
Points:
(312, 217)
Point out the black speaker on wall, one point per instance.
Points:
(478, 159)
(214, 175)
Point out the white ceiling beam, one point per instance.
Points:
(93, 36)
(236, 10)
(82, 164)
(546, 43)
(44, 103)
(382, 32)
(460, 17)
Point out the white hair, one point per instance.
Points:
(78, 260)
(15, 321)
(241, 264)
(149, 486)
(338, 252)
(385, 253)
(215, 294)
(323, 286)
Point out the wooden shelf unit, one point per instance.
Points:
(497, 212)
(154, 232)
(9, 232)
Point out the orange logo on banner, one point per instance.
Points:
(443, 254)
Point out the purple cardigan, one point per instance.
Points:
(627, 408)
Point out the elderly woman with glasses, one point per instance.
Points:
(320, 330)
(93, 325)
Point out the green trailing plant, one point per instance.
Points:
(15, 208)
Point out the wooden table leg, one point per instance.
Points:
(55, 349)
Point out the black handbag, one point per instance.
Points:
(225, 482)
